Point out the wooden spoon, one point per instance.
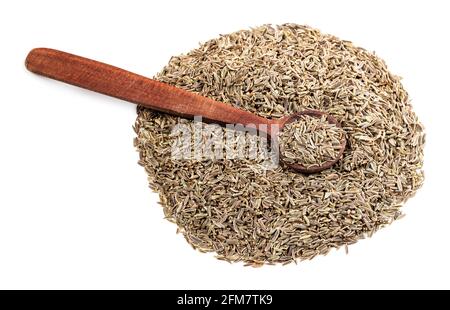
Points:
(125, 85)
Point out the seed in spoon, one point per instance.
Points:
(310, 141)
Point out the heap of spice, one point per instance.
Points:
(242, 211)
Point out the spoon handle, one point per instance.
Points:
(125, 85)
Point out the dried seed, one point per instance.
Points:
(245, 212)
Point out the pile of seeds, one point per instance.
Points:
(310, 141)
(244, 212)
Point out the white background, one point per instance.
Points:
(75, 209)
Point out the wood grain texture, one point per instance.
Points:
(125, 85)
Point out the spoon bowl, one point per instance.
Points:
(313, 113)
